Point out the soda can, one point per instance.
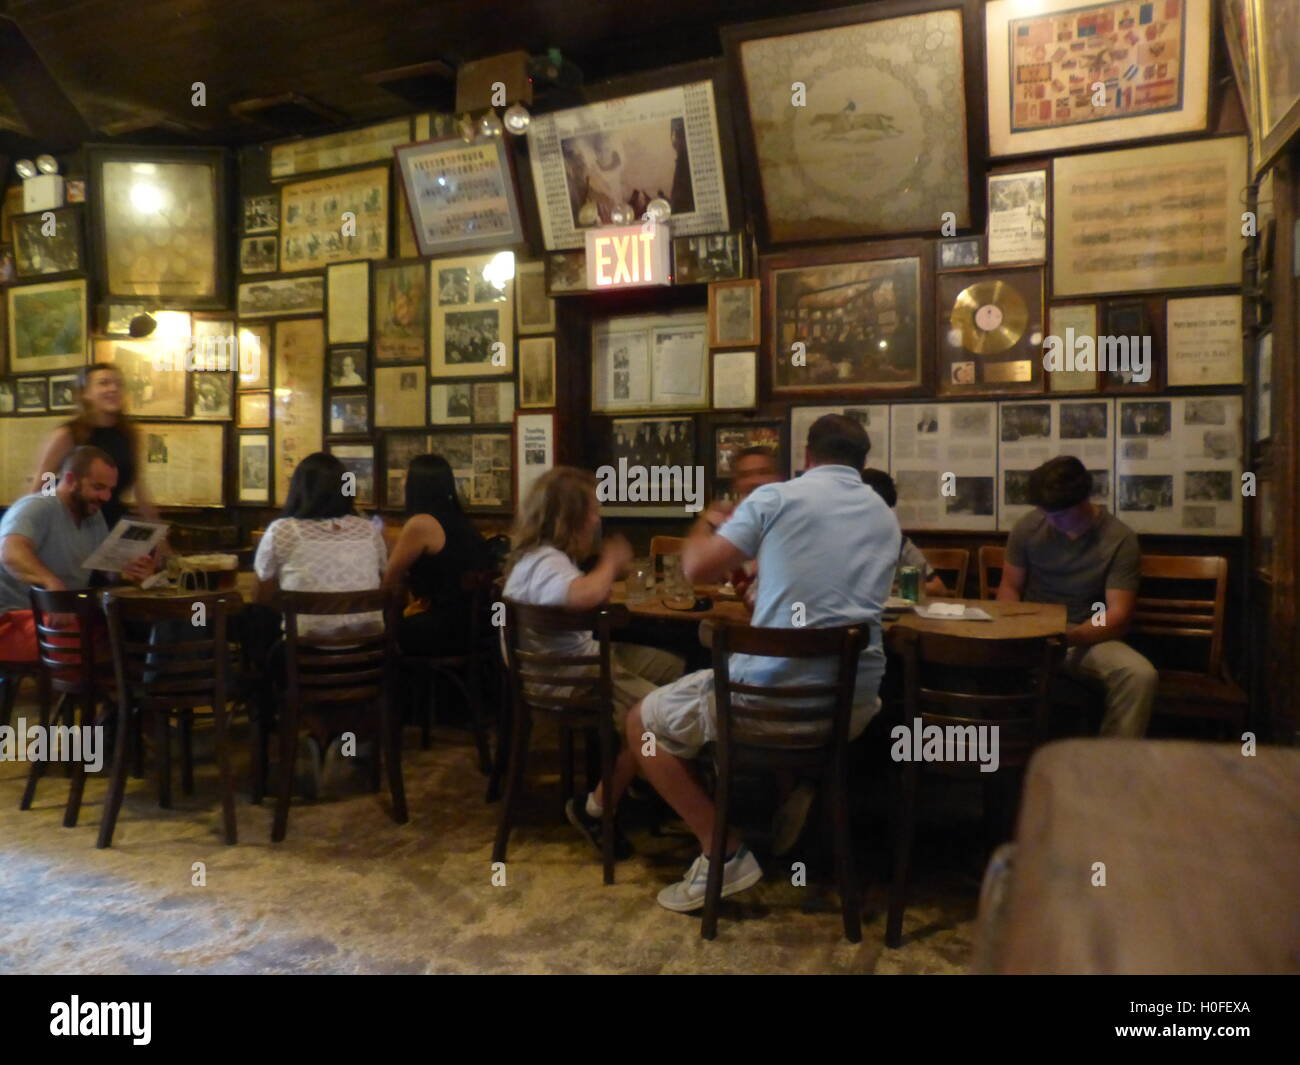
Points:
(909, 584)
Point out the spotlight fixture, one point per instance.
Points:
(42, 185)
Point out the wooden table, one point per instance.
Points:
(245, 588)
(1201, 846)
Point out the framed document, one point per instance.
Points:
(185, 463)
(716, 257)
(536, 309)
(261, 214)
(1018, 217)
(944, 461)
(1203, 341)
(735, 380)
(254, 356)
(347, 287)
(534, 450)
(254, 468)
(650, 362)
(401, 312)
(333, 219)
(990, 330)
(473, 318)
(1066, 73)
(873, 417)
(481, 464)
(1072, 326)
(1116, 228)
(299, 385)
(400, 397)
(1033, 432)
(734, 314)
(461, 195)
(537, 372)
(282, 295)
(334, 151)
(47, 326)
(359, 461)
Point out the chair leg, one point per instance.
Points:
(607, 787)
(78, 786)
(391, 730)
(7, 698)
(220, 727)
(717, 855)
(187, 752)
(905, 831)
(37, 769)
(478, 716)
(288, 757)
(514, 784)
(127, 737)
(850, 897)
(163, 757)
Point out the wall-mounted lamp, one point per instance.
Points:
(42, 183)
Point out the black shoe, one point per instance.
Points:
(590, 828)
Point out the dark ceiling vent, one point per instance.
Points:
(289, 113)
(427, 86)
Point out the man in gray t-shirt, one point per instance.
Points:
(1072, 552)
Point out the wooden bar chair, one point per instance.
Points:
(75, 667)
(543, 683)
(1209, 694)
(819, 749)
(991, 561)
(330, 672)
(954, 560)
(165, 677)
(985, 683)
(664, 545)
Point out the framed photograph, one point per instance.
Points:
(537, 372)
(160, 224)
(1203, 341)
(1129, 320)
(400, 302)
(1074, 327)
(451, 404)
(282, 295)
(481, 464)
(6, 397)
(647, 442)
(566, 272)
(8, 269)
(856, 127)
(254, 410)
(847, 318)
(400, 397)
(257, 255)
(261, 214)
(333, 151)
(650, 362)
(47, 326)
(534, 450)
(254, 468)
(961, 253)
(399, 450)
(991, 328)
(33, 394)
(212, 395)
(731, 438)
(254, 356)
(53, 246)
(1115, 228)
(115, 318)
(1018, 217)
(461, 195)
(735, 380)
(588, 160)
(349, 413)
(473, 318)
(1043, 62)
(359, 461)
(333, 219)
(347, 367)
(154, 379)
(536, 311)
(1275, 29)
(734, 314)
(704, 260)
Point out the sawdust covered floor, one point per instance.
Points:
(349, 891)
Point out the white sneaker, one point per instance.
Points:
(742, 872)
(788, 822)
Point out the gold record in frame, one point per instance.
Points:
(990, 332)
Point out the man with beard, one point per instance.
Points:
(45, 539)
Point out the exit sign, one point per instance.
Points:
(628, 256)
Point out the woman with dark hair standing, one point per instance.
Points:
(438, 545)
(102, 423)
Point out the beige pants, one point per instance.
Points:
(1130, 682)
(637, 672)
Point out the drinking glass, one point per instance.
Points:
(640, 580)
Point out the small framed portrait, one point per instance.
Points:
(32, 394)
(1127, 360)
(734, 314)
(348, 367)
(262, 214)
(961, 253)
(358, 460)
(451, 404)
(254, 468)
(63, 391)
(535, 310)
(704, 260)
(349, 414)
(48, 243)
(258, 255)
(255, 410)
(212, 395)
(537, 372)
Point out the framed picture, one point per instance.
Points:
(481, 464)
(333, 219)
(847, 318)
(349, 413)
(8, 269)
(473, 318)
(254, 410)
(160, 224)
(47, 326)
(461, 195)
(477, 402)
(48, 246)
(298, 396)
(1018, 217)
(734, 314)
(257, 255)
(6, 397)
(400, 302)
(534, 450)
(332, 151)
(943, 458)
(536, 311)
(537, 372)
(1072, 326)
(399, 450)
(990, 328)
(254, 468)
(347, 367)
(154, 379)
(115, 318)
(1068, 73)
(183, 463)
(566, 272)
(254, 356)
(282, 295)
(735, 380)
(400, 397)
(704, 260)
(261, 214)
(1235, 18)
(1275, 29)
(211, 395)
(33, 394)
(646, 442)
(359, 461)
(650, 362)
(731, 438)
(1128, 332)
(856, 126)
(1203, 341)
(1116, 229)
(961, 253)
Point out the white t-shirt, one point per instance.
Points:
(542, 578)
(345, 554)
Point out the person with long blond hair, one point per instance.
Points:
(555, 530)
(102, 423)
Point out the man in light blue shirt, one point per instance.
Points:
(826, 546)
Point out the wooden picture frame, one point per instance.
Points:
(1130, 318)
(47, 258)
(399, 310)
(735, 380)
(358, 458)
(32, 345)
(954, 254)
(254, 463)
(333, 219)
(1018, 215)
(535, 310)
(471, 313)
(212, 395)
(347, 302)
(730, 437)
(1068, 322)
(990, 328)
(276, 297)
(537, 382)
(259, 255)
(735, 318)
(253, 410)
(482, 461)
(710, 258)
(348, 414)
(1275, 28)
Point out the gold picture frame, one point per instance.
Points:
(471, 307)
(334, 219)
(47, 326)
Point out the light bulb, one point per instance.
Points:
(659, 209)
(621, 215)
(26, 168)
(489, 125)
(47, 164)
(517, 118)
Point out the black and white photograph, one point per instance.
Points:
(537, 372)
(701, 260)
(535, 310)
(32, 393)
(916, 486)
(451, 404)
(486, 292)
(566, 271)
(47, 246)
(733, 314)
(1100, 485)
(347, 368)
(262, 214)
(1015, 488)
(358, 460)
(1083, 421)
(470, 336)
(1134, 450)
(157, 448)
(927, 420)
(1145, 419)
(453, 286)
(1141, 491)
(972, 420)
(6, 397)
(1026, 422)
(959, 252)
(213, 394)
(1205, 412)
(974, 496)
(1200, 517)
(1208, 486)
(258, 255)
(654, 441)
(63, 391)
(282, 295)
(349, 415)
(1220, 444)
(254, 468)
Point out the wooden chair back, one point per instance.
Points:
(64, 653)
(1197, 619)
(535, 676)
(352, 667)
(664, 545)
(954, 560)
(991, 558)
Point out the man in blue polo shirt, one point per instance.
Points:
(826, 546)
